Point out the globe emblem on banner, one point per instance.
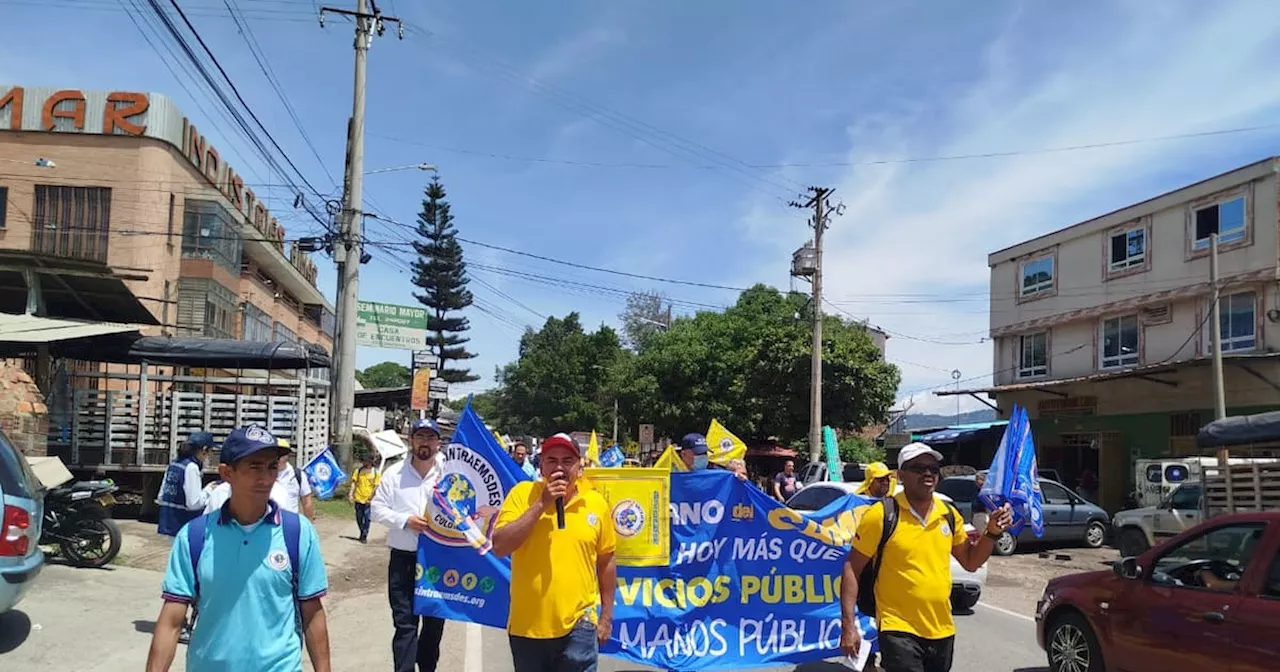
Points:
(460, 493)
(323, 471)
(471, 485)
(726, 445)
(628, 518)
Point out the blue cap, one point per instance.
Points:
(200, 440)
(424, 423)
(246, 441)
(695, 442)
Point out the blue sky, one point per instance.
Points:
(664, 137)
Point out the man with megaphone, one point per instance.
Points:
(563, 576)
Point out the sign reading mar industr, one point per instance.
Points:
(150, 115)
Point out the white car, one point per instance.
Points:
(966, 586)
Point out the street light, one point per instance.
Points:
(416, 166)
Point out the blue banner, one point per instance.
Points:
(751, 583)
(325, 474)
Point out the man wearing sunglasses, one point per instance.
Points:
(912, 535)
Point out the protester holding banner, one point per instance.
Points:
(292, 490)
(693, 452)
(561, 541)
(739, 468)
(912, 537)
(400, 504)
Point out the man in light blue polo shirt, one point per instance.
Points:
(251, 615)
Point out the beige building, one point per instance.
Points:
(1101, 330)
(121, 210)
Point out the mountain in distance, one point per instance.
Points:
(924, 420)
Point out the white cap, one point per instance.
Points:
(913, 450)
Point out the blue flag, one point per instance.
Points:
(750, 582)
(1013, 477)
(612, 457)
(325, 473)
(458, 579)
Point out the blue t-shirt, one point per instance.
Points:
(246, 603)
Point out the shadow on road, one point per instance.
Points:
(59, 560)
(145, 627)
(15, 626)
(1032, 669)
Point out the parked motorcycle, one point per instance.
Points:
(77, 521)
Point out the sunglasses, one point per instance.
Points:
(923, 468)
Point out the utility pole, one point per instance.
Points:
(821, 211)
(350, 249)
(615, 421)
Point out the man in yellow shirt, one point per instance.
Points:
(363, 484)
(561, 570)
(912, 569)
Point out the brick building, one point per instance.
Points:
(120, 210)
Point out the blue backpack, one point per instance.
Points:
(290, 524)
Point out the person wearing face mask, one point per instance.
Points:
(693, 451)
(400, 504)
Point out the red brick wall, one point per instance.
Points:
(23, 414)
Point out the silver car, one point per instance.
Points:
(22, 504)
(1068, 517)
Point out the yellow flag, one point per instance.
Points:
(670, 461)
(593, 450)
(723, 445)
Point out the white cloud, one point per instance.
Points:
(576, 51)
(926, 228)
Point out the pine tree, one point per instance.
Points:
(441, 274)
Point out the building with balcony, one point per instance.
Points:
(1101, 330)
(115, 207)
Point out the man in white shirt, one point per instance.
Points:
(292, 490)
(400, 504)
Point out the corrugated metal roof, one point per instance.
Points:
(32, 329)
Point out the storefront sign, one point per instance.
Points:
(149, 115)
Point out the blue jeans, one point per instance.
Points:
(577, 651)
(362, 520)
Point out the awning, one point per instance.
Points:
(960, 433)
(72, 288)
(1240, 430)
(32, 330)
(1144, 371)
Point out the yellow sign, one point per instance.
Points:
(640, 511)
(420, 393)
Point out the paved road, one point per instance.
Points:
(101, 620)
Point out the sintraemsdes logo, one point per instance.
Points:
(472, 487)
(323, 471)
(628, 518)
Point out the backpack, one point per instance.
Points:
(870, 572)
(290, 524)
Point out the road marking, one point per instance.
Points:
(1006, 612)
(475, 648)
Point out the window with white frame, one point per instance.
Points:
(1119, 341)
(1239, 321)
(1037, 276)
(1033, 355)
(1227, 219)
(1128, 249)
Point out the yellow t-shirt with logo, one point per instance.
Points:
(553, 573)
(364, 483)
(913, 589)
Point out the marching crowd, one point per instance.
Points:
(245, 577)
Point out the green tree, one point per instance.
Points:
(646, 314)
(857, 448)
(441, 274)
(749, 367)
(562, 380)
(485, 405)
(384, 374)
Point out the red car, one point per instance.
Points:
(1207, 599)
